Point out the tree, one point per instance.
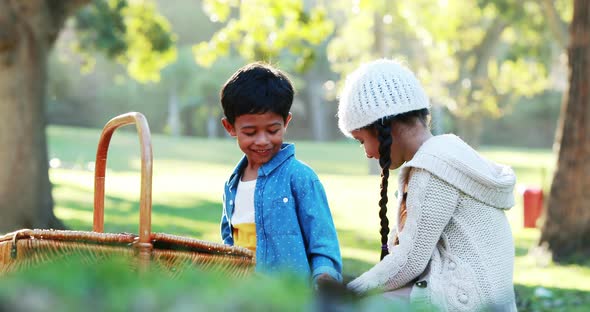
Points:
(284, 32)
(263, 30)
(197, 94)
(475, 58)
(132, 33)
(566, 229)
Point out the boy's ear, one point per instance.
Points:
(228, 127)
(288, 120)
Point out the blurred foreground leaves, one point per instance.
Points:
(112, 286)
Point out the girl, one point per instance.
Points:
(451, 245)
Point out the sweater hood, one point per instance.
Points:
(455, 162)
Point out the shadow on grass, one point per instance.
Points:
(521, 251)
(353, 268)
(524, 243)
(533, 298)
(356, 250)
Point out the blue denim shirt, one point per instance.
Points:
(294, 228)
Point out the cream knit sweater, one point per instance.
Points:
(456, 246)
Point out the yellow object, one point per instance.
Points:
(245, 235)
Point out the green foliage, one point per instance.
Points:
(198, 89)
(73, 284)
(528, 34)
(264, 30)
(477, 57)
(197, 84)
(540, 299)
(101, 27)
(110, 285)
(440, 40)
(532, 122)
(131, 32)
(353, 43)
(564, 9)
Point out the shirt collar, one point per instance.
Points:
(287, 150)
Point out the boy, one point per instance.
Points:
(274, 204)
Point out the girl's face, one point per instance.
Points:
(259, 136)
(368, 139)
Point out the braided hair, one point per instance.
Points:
(383, 129)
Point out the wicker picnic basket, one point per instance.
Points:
(26, 248)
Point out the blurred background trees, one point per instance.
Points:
(483, 62)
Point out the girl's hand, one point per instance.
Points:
(363, 284)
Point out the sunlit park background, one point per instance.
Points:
(496, 72)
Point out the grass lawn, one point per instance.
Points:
(188, 181)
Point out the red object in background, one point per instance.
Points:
(533, 206)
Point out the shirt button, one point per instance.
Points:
(231, 202)
(422, 284)
(463, 298)
(452, 265)
(285, 200)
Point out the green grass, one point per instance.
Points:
(111, 286)
(188, 180)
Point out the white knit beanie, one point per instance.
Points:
(378, 89)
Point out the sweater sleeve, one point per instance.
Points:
(430, 205)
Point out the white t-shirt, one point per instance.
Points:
(244, 204)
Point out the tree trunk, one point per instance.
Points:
(28, 29)
(316, 105)
(566, 228)
(470, 129)
(173, 112)
(212, 126)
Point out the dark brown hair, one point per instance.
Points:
(257, 88)
(383, 128)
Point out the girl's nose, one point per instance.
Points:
(368, 153)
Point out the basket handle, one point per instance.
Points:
(145, 197)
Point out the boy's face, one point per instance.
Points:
(259, 136)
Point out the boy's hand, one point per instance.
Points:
(326, 285)
(322, 281)
(325, 277)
